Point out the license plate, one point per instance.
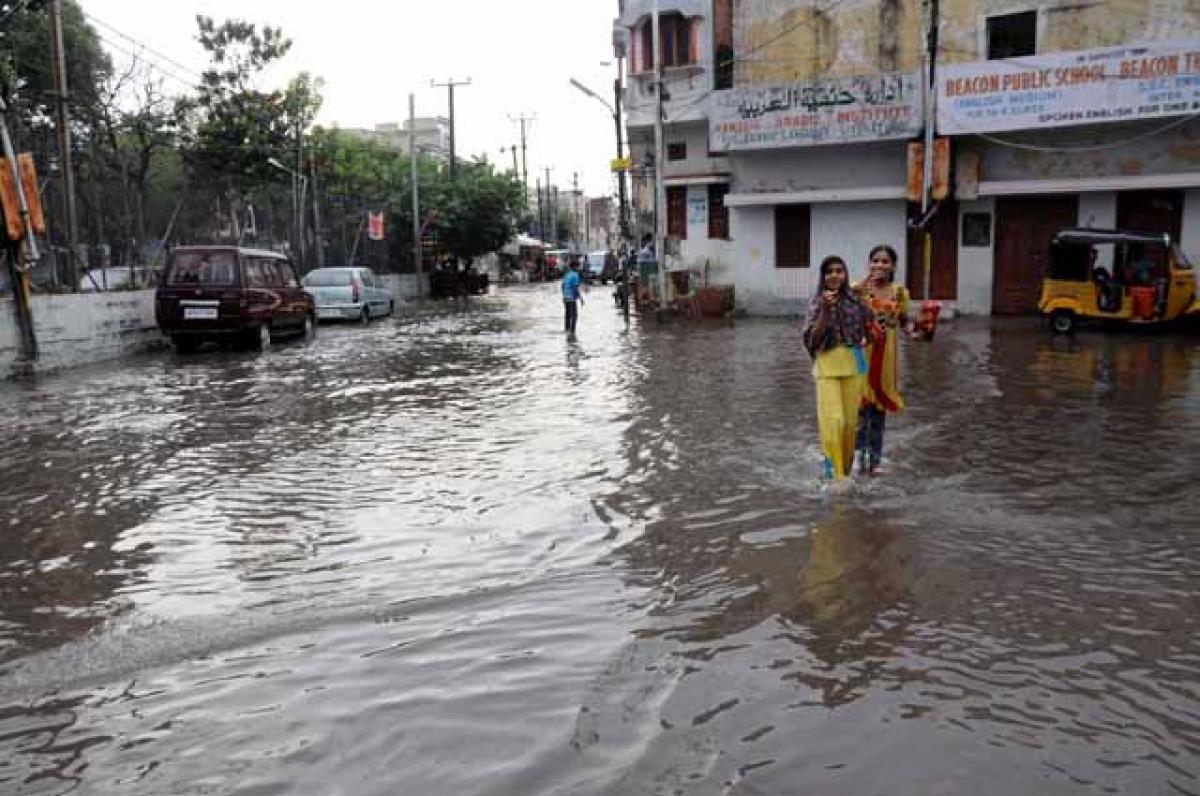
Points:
(199, 313)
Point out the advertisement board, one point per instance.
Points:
(832, 111)
(1070, 88)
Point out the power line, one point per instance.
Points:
(146, 47)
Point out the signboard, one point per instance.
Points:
(620, 164)
(832, 111)
(1068, 88)
(697, 210)
(375, 226)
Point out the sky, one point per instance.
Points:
(518, 55)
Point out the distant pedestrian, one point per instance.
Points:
(572, 297)
(834, 335)
(887, 304)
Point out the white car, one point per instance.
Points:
(348, 294)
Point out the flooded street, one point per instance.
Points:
(456, 553)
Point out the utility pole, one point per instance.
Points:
(524, 162)
(551, 206)
(660, 227)
(930, 121)
(449, 85)
(575, 198)
(541, 217)
(416, 196)
(312, 172)
(623, 219)
(66, 168)
(21, 253)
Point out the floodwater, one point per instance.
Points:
(456, 553)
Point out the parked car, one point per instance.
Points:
(601, 266)
(121, 278)
(348, 294)
(231, 294)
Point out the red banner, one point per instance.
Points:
(375, 226)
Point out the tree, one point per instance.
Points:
(231, 128)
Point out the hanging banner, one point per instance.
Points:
(375, 226)
(1112, 84)
(832, 111)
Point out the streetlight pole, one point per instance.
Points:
(297, 178)
(615, 111)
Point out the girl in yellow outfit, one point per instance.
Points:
(887, 303)
(834, 336)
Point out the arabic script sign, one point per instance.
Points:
(1086, 87)
(834, 111)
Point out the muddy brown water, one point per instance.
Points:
(456, 553)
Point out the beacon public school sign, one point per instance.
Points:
(833, 111)
(1069, 88)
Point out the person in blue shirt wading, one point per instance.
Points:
(571, 295)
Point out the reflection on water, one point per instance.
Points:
(460, 553)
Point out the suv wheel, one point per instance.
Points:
(365, 318)
(258, 338)
(310, 328)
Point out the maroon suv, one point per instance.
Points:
(231, 294)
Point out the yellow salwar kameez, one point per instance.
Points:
(839, 380)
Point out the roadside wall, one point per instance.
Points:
(80, 328)
(403, 286)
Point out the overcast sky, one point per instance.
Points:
(519, 56)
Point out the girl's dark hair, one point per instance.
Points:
(832, 259)
(891, 253)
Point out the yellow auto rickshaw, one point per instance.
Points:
(1133, 278)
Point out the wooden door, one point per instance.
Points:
(943, 268)
(1024, 227)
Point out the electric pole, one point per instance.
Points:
(930, 120)
(575, 200)
(660, 190)
(540, 214)
(524, 162)
(416, 200)
(449, 85)
(66, 169)
(622, 196)
(551, 206)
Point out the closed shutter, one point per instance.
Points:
(792, 236)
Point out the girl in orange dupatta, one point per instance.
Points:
(887, 303)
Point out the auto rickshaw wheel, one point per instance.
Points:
(1062, 321)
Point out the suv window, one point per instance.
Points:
(256, 276)
(287, 273)
(203, 268)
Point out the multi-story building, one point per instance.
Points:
(1062, 114)
(601, 225)
(788, 126)
(815, 124)
(432, 135)
(696, 178)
